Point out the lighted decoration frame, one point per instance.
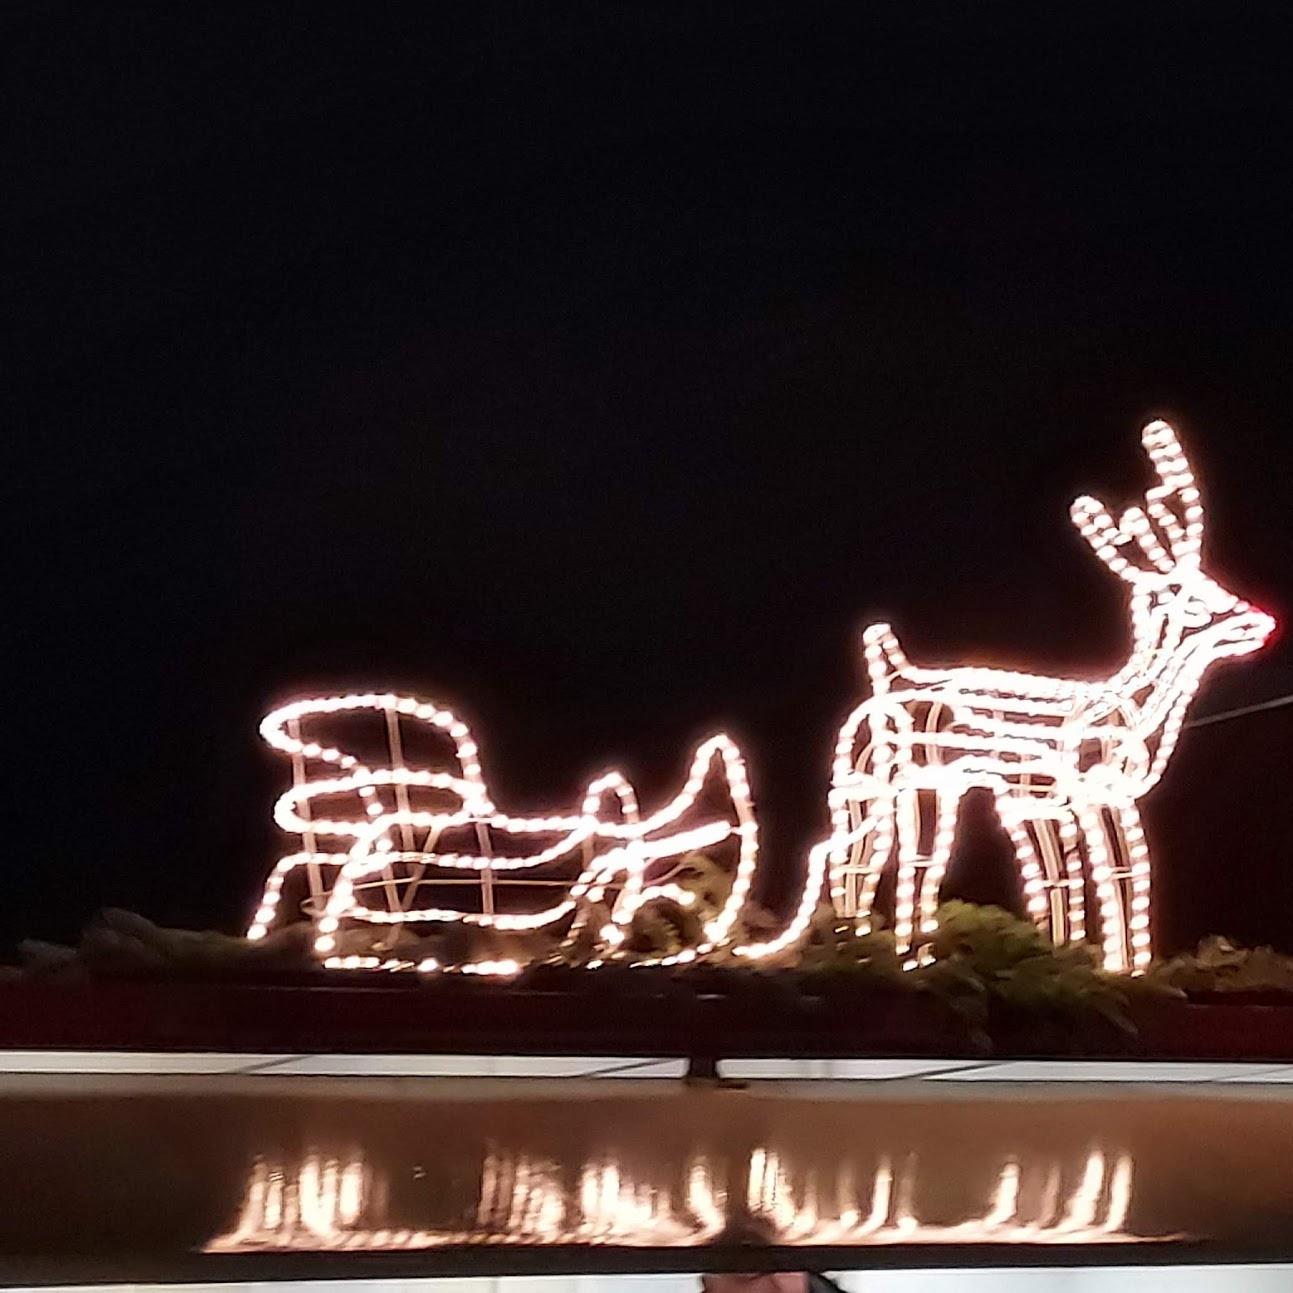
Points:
(1066, 761)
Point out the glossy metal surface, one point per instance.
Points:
(182, 1176)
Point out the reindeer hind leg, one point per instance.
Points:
(930, 878)
(907, 813)
(874, 853)
(1125, 829)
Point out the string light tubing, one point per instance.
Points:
(618, 851)
(1066, 761)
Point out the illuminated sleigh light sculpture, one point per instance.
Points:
(1066, 760)
(379, 834)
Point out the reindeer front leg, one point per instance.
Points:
(1125, 896)
(1135, 852)
(1102, 836)
(907, 820)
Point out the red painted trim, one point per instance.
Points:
(493, 1019)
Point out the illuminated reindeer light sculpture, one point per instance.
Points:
(1066, 760)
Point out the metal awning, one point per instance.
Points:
(214, 1168)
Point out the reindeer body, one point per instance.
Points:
(1066, 760)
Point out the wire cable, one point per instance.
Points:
(1275, 703)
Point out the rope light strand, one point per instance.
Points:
(623, 847)
(1065, 760)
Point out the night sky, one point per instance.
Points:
(600, 370)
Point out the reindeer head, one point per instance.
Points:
(1157, 550)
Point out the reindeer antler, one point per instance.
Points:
(1177, 487)
(1166, 532)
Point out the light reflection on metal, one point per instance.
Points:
(1066, 760)
(1094, 1212)
(326, 1204)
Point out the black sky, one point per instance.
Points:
(600, 370)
